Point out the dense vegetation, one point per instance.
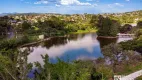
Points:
(57, 24)
(78, 70)
(4, 25)
(15, 67)
(127, 17)
(135, 44)
(51, 25)
(107, 27)
(118, 58)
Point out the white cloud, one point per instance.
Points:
(65, 2)
(57, 5)
(41, 2)
(114, 5)
(127, 0)
(118, 4)
(89, 0)
(74, 2)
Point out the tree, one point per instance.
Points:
(14, 67)
(107, 27)
(125, 28)
(139, 24)
(77, 70)
(113, 53)
(52, 26)
(26, 26)
(7, 71)
(138, 33)
(94, 20)
(4, 25)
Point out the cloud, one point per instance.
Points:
(27, 2)
(78, 6)
(74, 2)
(41, 2)
(118, 4)
(127, 0)
(64, 2)
(89, 0)
(115, 5)
(57, 5)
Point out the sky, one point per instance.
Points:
(69, 6)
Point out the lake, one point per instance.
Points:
(73, 47)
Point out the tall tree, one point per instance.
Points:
(113, 53)
(139, 24)
(26, 26)
(107, 27)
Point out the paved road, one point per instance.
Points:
(132, 76)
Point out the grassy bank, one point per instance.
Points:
(15, 42)
(84, 31)
(35, 39)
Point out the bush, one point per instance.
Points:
(135, 45)
(78, 70)
(14, 43)
(138, 33)
(125, 28)
(139, 24)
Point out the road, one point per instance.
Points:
(132, 76)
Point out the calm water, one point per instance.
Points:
(73, 47)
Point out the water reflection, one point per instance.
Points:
(73, 47)
(106, 41)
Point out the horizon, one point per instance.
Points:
(70, 6)
(67, 13)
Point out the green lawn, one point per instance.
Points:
(84, 31)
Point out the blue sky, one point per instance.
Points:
(69, 6)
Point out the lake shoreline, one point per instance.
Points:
(42, 40)
(39, 41)
(84, 31)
